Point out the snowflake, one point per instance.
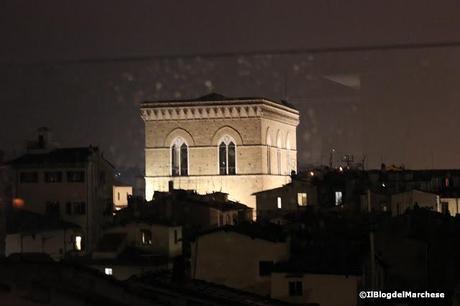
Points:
(208, 84)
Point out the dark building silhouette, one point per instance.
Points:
(72, 184)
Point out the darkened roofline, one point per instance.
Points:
(295, 268)
(268, 232)
(58, 156)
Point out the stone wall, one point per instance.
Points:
(264, 133)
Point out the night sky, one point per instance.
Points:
(83, 67)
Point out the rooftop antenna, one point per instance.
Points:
(331, 158)
(363, 162)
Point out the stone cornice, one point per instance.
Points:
(220, 110)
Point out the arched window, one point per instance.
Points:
(278, 151)
(222, 158)
(269, 159)
(179, 158)
(227, 156)
(288, 155)
(278, 159)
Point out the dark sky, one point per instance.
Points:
(73, 66)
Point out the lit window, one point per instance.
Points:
(278, 202)
(18, 202)
(179, 158)
(78, 243)
(108, 271)
(302, 199)
(146, 237)
(338, 198)
(227, 156)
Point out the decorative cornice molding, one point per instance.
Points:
(199, 112)
(162, 112)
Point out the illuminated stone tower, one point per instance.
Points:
(234, 145)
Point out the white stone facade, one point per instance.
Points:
(262, 131)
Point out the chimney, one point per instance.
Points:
(43, 137)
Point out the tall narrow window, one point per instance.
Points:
(295, 288)
(302, 199)
(288, 166)
(146, 237)
(53, 176)
(231, 158)
(288, 155)
(176, 239)
(269, 154)
(278, 160)
(174, 161)
(278, 152)
(269, 161)
(227, 156)
(222, 158)
(78, 243)
(183, 159)
(338, 198)
(179, 158)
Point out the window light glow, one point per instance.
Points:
(78, 240)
